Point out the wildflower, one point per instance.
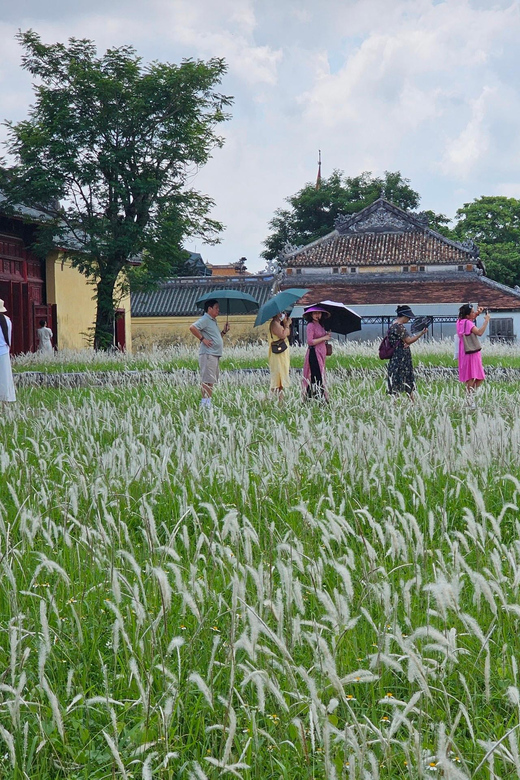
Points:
(389, 695)
(274, 718)
(72, 601)
(182, 627)
(349, 697)
(385, 719)
(215, 628)
(432, 767)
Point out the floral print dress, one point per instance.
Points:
(400, 369)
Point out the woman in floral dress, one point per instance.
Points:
(401, 378)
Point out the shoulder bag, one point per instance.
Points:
(279, 346)
(471, 343)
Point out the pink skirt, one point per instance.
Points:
(470, 366)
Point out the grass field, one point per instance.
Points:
(348, 355)
(261, 591)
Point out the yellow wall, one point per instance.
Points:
(75, 306)
(163, 331)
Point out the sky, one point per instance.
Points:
(426, 87)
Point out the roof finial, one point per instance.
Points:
(318, 177)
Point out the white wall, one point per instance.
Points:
(440, 330)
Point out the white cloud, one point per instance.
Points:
(426, 87)
(465, 151)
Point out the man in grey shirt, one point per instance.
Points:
(209, 334)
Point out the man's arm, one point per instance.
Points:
(196, 332)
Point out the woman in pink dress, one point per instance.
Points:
(470, 364)
(314, 382)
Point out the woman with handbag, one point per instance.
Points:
(314, 380)
(471, 371)
(401, 377)
(279, 352)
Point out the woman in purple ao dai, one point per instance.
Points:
(314, 379)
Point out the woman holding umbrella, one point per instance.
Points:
(279, 329)
(279, 352)
(314, 381)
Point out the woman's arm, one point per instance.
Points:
(413, 339)
(311, 341)
(279, 331)
(480, 331)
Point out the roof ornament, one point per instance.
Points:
(470, 245)
(380, 217)
(421, 217)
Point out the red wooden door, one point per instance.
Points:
(44, 311)
(120, 331)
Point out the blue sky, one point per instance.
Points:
(426, 87)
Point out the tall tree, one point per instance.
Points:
(313, 210)
(493, 222)
(106, 153)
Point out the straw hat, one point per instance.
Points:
(2, 307)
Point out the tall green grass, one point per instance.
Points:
(264, 590)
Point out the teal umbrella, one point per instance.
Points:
(279, 302)
(230, 301)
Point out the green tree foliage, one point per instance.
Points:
(106, 153)
(493, 222)
(312, 211)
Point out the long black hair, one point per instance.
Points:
(464, 310)
(3, 326)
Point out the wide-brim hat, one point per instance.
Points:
(308, 312)
(405, 311)
(2, 307)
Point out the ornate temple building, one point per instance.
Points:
(384, 256)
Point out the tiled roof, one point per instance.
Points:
(366, 289)
(382, 234)
(177, 297)
(368, 249)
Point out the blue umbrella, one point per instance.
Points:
(279, 302)
(230, 301)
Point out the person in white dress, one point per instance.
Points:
(7, 391)
(44, 338)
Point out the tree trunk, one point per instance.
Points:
(105, 314)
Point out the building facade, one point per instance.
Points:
(34, 288)
(384, 256)
(163, 316)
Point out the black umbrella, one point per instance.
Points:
(342, 319)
